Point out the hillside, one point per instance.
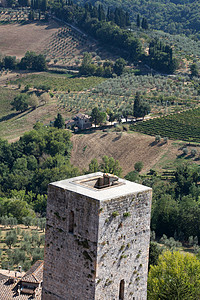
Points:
(173, 16)
(127, 148)
(17, 38)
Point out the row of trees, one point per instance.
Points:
(112, 33)
(175, 206)
(106, 70)
(23, 101)
(138, 110)
(39, 157)
(31, 61)
(24, 248)
(161, 57)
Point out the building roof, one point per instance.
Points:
(3, 277)
(81, 116)
(81, 185)
(9, 290)
(35, 273)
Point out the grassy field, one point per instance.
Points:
(59, 82)
(6, 96)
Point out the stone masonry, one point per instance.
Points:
(97, 240)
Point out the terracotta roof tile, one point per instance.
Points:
(35, 273)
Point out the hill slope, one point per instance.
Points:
(128, 149)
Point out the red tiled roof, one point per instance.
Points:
(35, 273)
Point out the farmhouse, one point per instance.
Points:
(82, 121)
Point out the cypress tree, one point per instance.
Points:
(138, 21)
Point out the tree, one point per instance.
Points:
(145, 24)
(154, 252)
(45, 98)
(132, 176)
(119, 66)
(138, 166)
(111, 117)
(97, 116)
(138, 21)
(20, 102)
(59, 121)
(140, 109)
(9, 62)
(176, 276)
(93, 166)
(11, 238)
(32, 61)
(33, 101)
(110, 165)
(194, 70)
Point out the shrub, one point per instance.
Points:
(157, 138)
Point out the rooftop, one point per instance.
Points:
(9, 289)
(94, 186)
(35, 273)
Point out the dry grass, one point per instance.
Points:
(16, 39)
(128, 149)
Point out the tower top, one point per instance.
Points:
(100, 186)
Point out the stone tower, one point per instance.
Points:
(97, 239)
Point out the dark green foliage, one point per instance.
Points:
(138, 21)
(161, 57)
(144, 24)
(175, 206)
(89, 68)
(40, 156)
(119, 66)
(97, 116)
(15, 208)
(9, 62)
(132, 176)
(194, 70)
(140, 109)
(59, 121)
(138, 166)
(154, 252)
(32, 61)
(20, 102)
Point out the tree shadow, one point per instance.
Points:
(182, 155)
(117, 138)
(10, 116)
(102, 136)
(25, 113)
(153, 143)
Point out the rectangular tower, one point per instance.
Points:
(97, 239)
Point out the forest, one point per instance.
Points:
(174, 16)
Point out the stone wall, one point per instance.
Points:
(70, 258)
(123, 248)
